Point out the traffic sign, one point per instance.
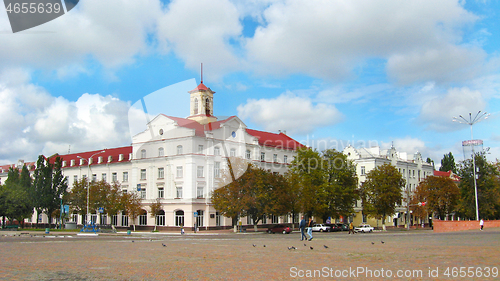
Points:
(101, 210)
(195, 214)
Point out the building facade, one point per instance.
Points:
(414, 170)
(179, 161)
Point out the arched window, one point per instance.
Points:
(207, 107)
(143, 217)
(160, 218)
(179, 149)
(143, 153)
(161, 152)
(195, 106)
(247, 154)
(179, 218)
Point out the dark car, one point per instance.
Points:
(279, 229)
(334, 227)
(343, 226)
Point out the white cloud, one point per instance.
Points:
(296, 115)
(200, 32)
(33, 122)
(111, 31)
(438, 112)
(329, 38)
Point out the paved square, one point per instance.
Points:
(229, 256)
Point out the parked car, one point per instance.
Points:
(279, 229)
(334, 227)
(344, 226)
(363, 228)
(320, 227)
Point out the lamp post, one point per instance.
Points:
(479, 117)
(89, 174)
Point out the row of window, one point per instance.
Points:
(363, 172)
(114, 177)
(200, 192)
(232, 153)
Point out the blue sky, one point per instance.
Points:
(328, 72)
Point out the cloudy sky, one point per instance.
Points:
(330, 73)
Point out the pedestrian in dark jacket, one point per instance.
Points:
(302, 227)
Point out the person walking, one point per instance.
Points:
(351, 228)
(310, 229)
(481, 224)
(302, 227)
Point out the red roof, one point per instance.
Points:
(201, 87)
(275, 140)
(448, 174)
(113, 152)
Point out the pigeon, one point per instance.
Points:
(132, 241)
(305, 245)
(373, 243)
(382, 242)
(254, 245)
(264, 246)
(311, 247)
(326, 247)
(290, 248)
(163, 245)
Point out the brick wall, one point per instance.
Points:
(447, 226)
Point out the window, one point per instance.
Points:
(247, 154)
(143, 193)
(200, 149)
(217, 169)
(161, 173)
(232, 152)
(275, 158)
(143, 217)
(161, 152)
(274, 219)
(160, 218)
(179, 218)
(218, 219)
(75, 178)
(179, 149)
(178, 192)
(161, 192)
(199, 192)
(216, 150)
(285, 159)
(264, 219)
(114, 220)
(195, 106)
(104, 177)
(199, 171)
(143, 174)
(418, 175)
(262, 156)
(124, 219)
(179, 171)
(363, 171)
(94, 177)
(143, 153)
(114, 177)
(125, 176)
(199, 218)
(413, 173)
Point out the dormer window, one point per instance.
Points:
(207, 107)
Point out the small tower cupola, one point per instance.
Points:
(202, 104)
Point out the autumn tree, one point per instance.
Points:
(488, 188)
(448, 163)
(441, 195)
(132, 204)
(155, 208)
(381, 191)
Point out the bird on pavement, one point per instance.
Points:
(254, 245)
(264, 246)
(373, 243)
(326, 247)
(163, 245)
(311, 247)
(305, 245)
(382, 242)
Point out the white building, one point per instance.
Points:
(179, 161)
(414, 170)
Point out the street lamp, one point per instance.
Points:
(479, 117)
(88, 187)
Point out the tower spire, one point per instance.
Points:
(202, 73)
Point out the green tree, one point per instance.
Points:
(448, 163)
(339, 191)
(77, 196)
(441, 195)
(382, 191)
(488, 188)
(16, 201)
(57, 190)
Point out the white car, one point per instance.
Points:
(363, 228)
(320, 228)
